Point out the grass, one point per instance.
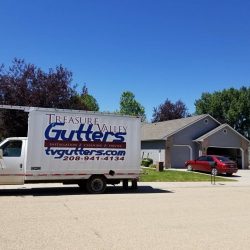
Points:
(151, 175)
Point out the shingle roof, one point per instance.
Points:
(161, 130)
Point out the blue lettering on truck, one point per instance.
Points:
(62, 142)
(59, 153)
(87, 135)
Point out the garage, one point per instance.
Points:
(225, 141)
(235, 154)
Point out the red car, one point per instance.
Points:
(214, 164)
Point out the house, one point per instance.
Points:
(176, 141)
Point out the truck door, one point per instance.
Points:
(12, 162)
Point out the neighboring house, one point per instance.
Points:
(175, 141)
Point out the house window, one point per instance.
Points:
(206, 121)
(225, 131)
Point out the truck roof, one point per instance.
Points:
(29, 109)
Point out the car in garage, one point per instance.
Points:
(214, 164)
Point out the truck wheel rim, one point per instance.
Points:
(97, 185)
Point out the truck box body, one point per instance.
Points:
(75, 145)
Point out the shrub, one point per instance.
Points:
(146, 162)
(152, 166)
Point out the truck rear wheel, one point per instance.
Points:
(96, 184)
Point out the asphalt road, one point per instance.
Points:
(157, 216)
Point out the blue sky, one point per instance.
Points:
(157, 49)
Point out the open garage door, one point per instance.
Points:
(235, 154)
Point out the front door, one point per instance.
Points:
(12, 162)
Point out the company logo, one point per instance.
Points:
(53, 132)
(80, 139)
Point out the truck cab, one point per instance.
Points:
(12, 161)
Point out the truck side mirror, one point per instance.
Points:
(1, 154)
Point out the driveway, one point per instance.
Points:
(157, 216)
(242, 176)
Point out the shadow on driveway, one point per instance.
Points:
(61, 191)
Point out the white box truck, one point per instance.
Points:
(90, 149)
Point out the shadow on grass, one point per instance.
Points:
(62, 191)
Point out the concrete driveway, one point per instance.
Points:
(242, 176)
(157, 216)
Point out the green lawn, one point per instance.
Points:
(150, 175)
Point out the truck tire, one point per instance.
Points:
(96, 184)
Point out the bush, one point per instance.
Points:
(153, 166)
(146, 162)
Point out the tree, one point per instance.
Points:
(170, 111)
(25, 84)
(230, 106)
(88, 101)
(129, 106)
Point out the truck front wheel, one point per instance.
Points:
(96, 184)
